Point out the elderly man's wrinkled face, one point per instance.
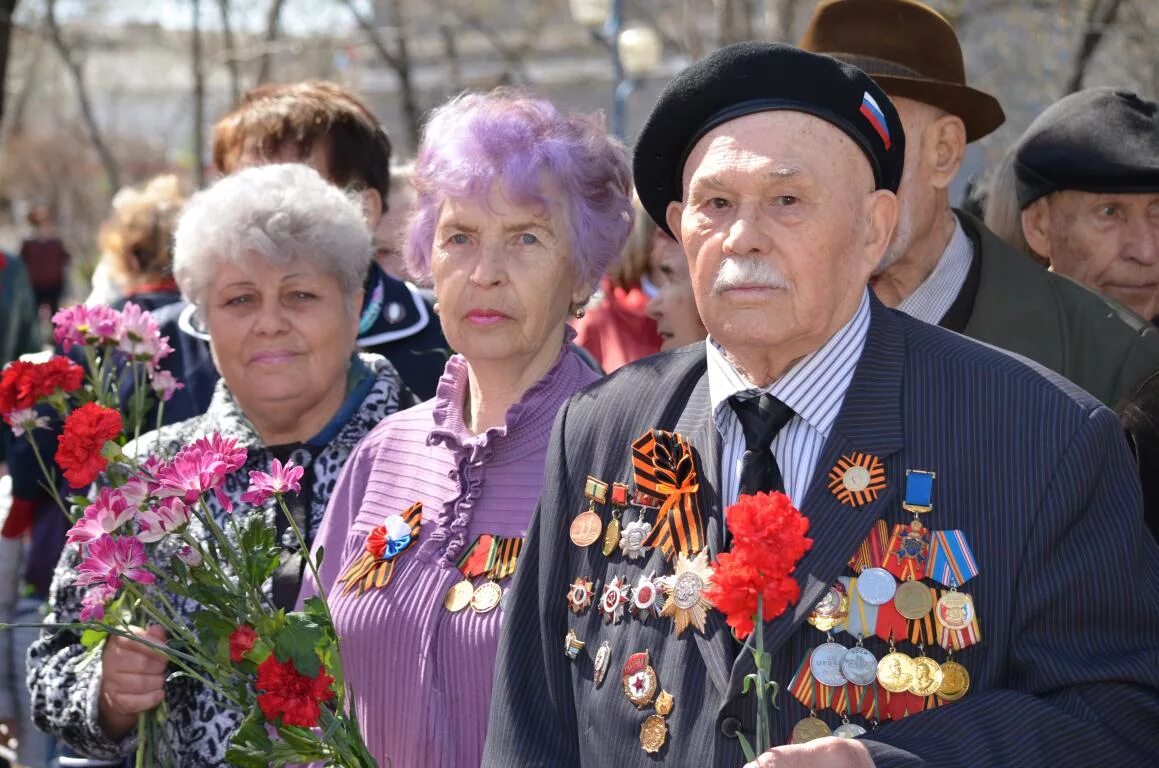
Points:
(782, 228)
(1108, 242)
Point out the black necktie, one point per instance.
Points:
(761, 418)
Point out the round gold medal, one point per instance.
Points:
(913, 600)
(459, 596)
(954, 611)
(486, 597)
(955, 681)
(585, 529)
(653, 734)
(895, 671)
(808, 729)
(927, 677)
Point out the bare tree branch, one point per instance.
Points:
(515, 55)
(231, 62)
(108, 162)
(7, 7)
(273, 24)
(1101, 14)
(398, 60)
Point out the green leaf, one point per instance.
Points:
(299, 642)
(90, 638)
(318, 557)
(250, 745)
(749, 681)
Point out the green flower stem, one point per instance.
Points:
(212, 565)
(143, 745)
(762, 663)
(230, 553)
(48, 484)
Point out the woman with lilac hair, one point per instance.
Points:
(520, 210)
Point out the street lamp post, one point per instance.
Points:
(634, 50)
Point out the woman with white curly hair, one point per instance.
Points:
(273, 258)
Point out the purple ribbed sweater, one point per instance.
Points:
(420, 675)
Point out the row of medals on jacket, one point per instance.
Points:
(833, 665)
(641, 684)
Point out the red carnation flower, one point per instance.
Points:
(86, 431)
(376, 542)
(24, 384)
(241, 641)
(287, 693)
(768, 541)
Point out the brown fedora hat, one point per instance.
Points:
(910, 50)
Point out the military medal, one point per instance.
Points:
(859, 665)
(572, 645)
(927, 677)
(639, 680)
(952, 564)
(825, 664)
(458, 596)
(579, 595)
(955, 681)
(876, 586)
(632, 539)
(585, 529)
(486, 597)
(848, 730)
(645, 598)
(614, 599)
(857, 479)
(895, 671)
(684, 599)
(913, 600)
(832, 609)
(612, 534)
(600, 663)
(909, 546)
(954, 611)
(810, 728)
(653, 733)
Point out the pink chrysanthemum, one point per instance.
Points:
(165, 385)
(279, 480)
(141, 337)
(94, 602)
(26, 420)
(110, 559)
(159, 520)
(82, 325)
(200, 468)
(105, 515)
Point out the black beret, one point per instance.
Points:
(744, 78)
(1099, 140)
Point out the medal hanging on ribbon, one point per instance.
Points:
(923, 630)
(862, 619)
(956, 621)
(663, 467)
(952, 564)
(872, 552)
(472, 563)
(585, 529)
(612, 532)
(504, 553)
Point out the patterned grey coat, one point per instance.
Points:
(65, 681)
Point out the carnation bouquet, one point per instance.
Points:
(753, 583)
(148, 542)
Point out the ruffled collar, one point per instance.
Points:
(532, 416)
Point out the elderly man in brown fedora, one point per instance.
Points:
(944, 266)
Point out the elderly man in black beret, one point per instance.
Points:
(944, 266)
(1088, 184)
(980, 588)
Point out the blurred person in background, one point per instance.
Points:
(46, 259)
(390, 233)
(1088, 186)
(273, 258)
(328, 128)
(615, 327)
(19, 324)
(1003, 217)
(520, 210)
(673, 305)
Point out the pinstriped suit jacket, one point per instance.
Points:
(1032, 469)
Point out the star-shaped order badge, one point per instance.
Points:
(614, 599)
(579, 595)
(857, 479)
(684, 599)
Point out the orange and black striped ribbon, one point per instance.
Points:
(803, 686)
(871, 553)
(869, 493)
(663, 466)
(509, 549)
(368, 571)
(925, 631)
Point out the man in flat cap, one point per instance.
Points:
(1087, 171)
(944, 266)
(980, 589)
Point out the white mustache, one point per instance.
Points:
(747, 273)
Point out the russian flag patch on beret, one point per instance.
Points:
(876, 117)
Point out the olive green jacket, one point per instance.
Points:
(1021, 307)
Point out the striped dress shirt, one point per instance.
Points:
(934, 297)
(814, 388)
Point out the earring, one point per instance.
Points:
(579, 313)
(435, 307)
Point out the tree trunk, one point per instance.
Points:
(7, 8)
(273, 19)
(398, 61)
(198, 98)
(108, 162)
(230, 52)
(1100, 15)
(734, 21)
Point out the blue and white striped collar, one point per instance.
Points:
(814, 387)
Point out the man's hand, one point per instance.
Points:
(132, 681)
(829, 752)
